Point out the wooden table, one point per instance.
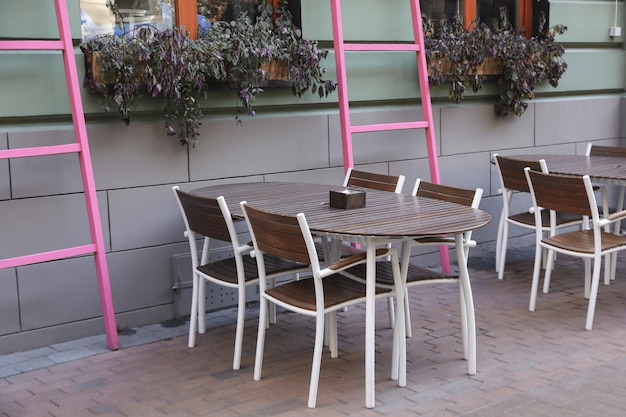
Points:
(387, 217)
(608, 169)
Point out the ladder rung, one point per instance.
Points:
(31, 45)
(389, 126)
(47, 256)
(382, 47)
(40, 151)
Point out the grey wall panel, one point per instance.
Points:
(576, 120)
(58, 292)
(466, 171)
(43, 224)
(142, 217)
(9, 307)
(261, 145)
(318, 176)
(380, 146)
(143, 278)
(475, 127)
(137, 155)
(5, 183)
(44, 175)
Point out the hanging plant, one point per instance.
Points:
(170, 66)
(456, 55)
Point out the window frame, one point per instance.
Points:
(524, 12)
(187, 11)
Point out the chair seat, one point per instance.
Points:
(225, 270)
(528, 219)
(415, 275)
(338, 290)
(582, 241)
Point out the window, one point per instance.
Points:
(522, 13)
(213, 10)
(97, 18)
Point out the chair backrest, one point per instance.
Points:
(595, 150)
(469, 198)
(512, 172)
(373, 180)
(280, 235)
(204, 216)
(562, 193)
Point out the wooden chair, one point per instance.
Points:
(289, 237)
(392, 183)
(614, 151)
(209, 218)
(575, 195)
(415, 275)
(512, 179)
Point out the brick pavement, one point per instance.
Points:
(529, 364)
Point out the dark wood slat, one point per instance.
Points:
(373, 180)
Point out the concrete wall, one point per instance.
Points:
(42, 206)
(136, 166)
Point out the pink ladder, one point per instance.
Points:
(347, 129)
(81, 147)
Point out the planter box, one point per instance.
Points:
(277, 71)
(491, 66)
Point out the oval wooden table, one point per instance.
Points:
(386, 217)
(608, 169)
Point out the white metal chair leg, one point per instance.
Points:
(548, 274)
(534, 287)
(407, 314)
(260, 341)
(503, 245)
(193, 318)
(317, 360)
(204, 258)
(201, 306)
(587, 277)
(332, 334)
(390, 308)
(464, 325)
(241, 318)
(499, 238)
(595, 282)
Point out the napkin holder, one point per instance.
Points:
(347, 199)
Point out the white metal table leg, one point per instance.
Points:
(469, 304)
(370, 315)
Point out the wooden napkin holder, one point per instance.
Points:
(348, 199)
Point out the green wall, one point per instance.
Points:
(33, 85)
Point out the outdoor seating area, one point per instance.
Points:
(378, 253)
(529, 364)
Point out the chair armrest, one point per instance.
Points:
(243, 249)
(353, 260)
(613, 217)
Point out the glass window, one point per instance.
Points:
(98, 19)
(487, 11)
(440, 9)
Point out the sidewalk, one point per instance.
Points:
(539, 364)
